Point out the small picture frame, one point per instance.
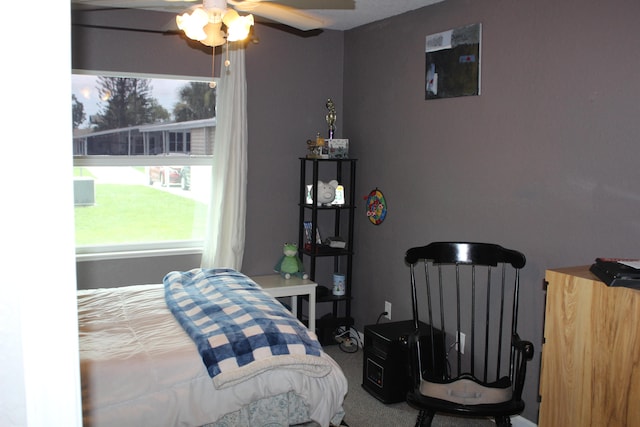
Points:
(338, 148)
(308, 233)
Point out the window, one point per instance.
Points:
(142, 148)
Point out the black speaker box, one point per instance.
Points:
(386, 371)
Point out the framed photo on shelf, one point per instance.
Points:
(308, 234)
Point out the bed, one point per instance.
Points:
(146, 362)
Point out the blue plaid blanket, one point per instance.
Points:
(239, 329)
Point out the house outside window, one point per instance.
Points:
(142, 150)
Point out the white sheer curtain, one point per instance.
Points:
(225, 232)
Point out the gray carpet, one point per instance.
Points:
(364, 410)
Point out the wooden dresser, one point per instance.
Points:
(591, 353)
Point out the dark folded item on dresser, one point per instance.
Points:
(613, 273)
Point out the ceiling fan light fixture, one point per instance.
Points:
(238, 28)
(230, 16)
(215, 36)
(204, 23)
(193, 24)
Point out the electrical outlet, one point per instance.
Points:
(387, 308)
(463, 338)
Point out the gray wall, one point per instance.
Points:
(131, 271)
(544, 161)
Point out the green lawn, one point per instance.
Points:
(137, 213)
(82, 172)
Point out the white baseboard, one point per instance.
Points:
(519, 421)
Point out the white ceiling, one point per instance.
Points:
(367, 11)
(337, 14)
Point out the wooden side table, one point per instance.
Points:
(278, 286)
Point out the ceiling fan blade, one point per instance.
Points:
(159, 5)
(280, 13)
(317, 4)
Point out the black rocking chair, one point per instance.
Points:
(471, 304)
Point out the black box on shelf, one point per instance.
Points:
(386, 371)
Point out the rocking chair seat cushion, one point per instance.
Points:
(467, 390)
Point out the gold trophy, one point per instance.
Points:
(331, 118)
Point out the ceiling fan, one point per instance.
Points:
(203, 22)
(285, 12)
(216, 22)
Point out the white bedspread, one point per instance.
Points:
(139, 368)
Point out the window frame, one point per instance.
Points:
(140, 249)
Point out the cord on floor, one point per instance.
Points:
(348, 339)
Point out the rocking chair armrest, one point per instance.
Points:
(524, 347)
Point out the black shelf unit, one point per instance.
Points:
(342, 218)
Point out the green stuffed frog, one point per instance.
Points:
(290, 264)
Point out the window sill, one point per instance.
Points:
(147, 253)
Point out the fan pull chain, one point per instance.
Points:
(212, 83)
(226, 61)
